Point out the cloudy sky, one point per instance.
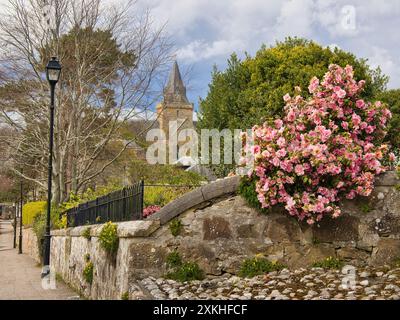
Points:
(206, 32)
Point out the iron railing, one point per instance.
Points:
(121, 205)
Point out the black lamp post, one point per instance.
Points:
(53, 71)
(15, 223)
(20, 217)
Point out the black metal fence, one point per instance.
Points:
(121, 205)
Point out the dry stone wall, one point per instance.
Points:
(220, 231)
(29, 243)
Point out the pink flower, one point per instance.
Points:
(370, 129)
(281, 153)
(278, 123)
(148, 211)
(340, 185)
(290, 203)
(291, 116)
(276, 162)
(339, 92)
(351, 195)
(281, 142)
(300, 127)
(266, 154)
(349, 71)
(360, 104)
(299, 170)
(287, 97)
(260, 171)
(256, 149)
(356, 119)
(371, 113)
(314, 83)
(287, 166)
(305, 198)
(333, 134)
(336, 213)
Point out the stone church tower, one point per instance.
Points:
(175, 105)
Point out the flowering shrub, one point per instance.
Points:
(325, 148)
(148, 211)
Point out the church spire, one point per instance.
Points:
(175, 91)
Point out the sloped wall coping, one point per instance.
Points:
(191, 199)
(145, 228)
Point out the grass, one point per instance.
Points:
(108, 238)
(188, 271)
(86, 234)
(258, 266)
(365, 207)
(88, 272)
(175, 226)
(329, 263)
(182, 271)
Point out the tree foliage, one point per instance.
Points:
(392, 99)
(251, 91)
(113, 57)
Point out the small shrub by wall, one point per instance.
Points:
(30, 210)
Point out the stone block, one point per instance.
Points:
(304, 257)
(203, 254)
(348, 253)
(386, 252)
(344, 228)
(247, 231)
(318, 253)
(283, 229)
(386, 226)
(146, 256)
(134, 229)
(215, 228)
(77, 231)
(180, 205)
(389, 178)
(220, 187)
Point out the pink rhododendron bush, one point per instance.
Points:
(326, 148)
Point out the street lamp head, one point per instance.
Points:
(53, 71)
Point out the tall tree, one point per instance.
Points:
(251, 90)
(113, 58)
(392, 99)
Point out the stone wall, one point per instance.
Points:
(29, 243)
(220, 231)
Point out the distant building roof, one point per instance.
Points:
(175, 91)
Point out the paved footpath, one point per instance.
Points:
(20, 274)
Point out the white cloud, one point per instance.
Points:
(200, 50)
(296, 18)
(389, 65)
(208, 31)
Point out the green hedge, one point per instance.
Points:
(30, 210)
